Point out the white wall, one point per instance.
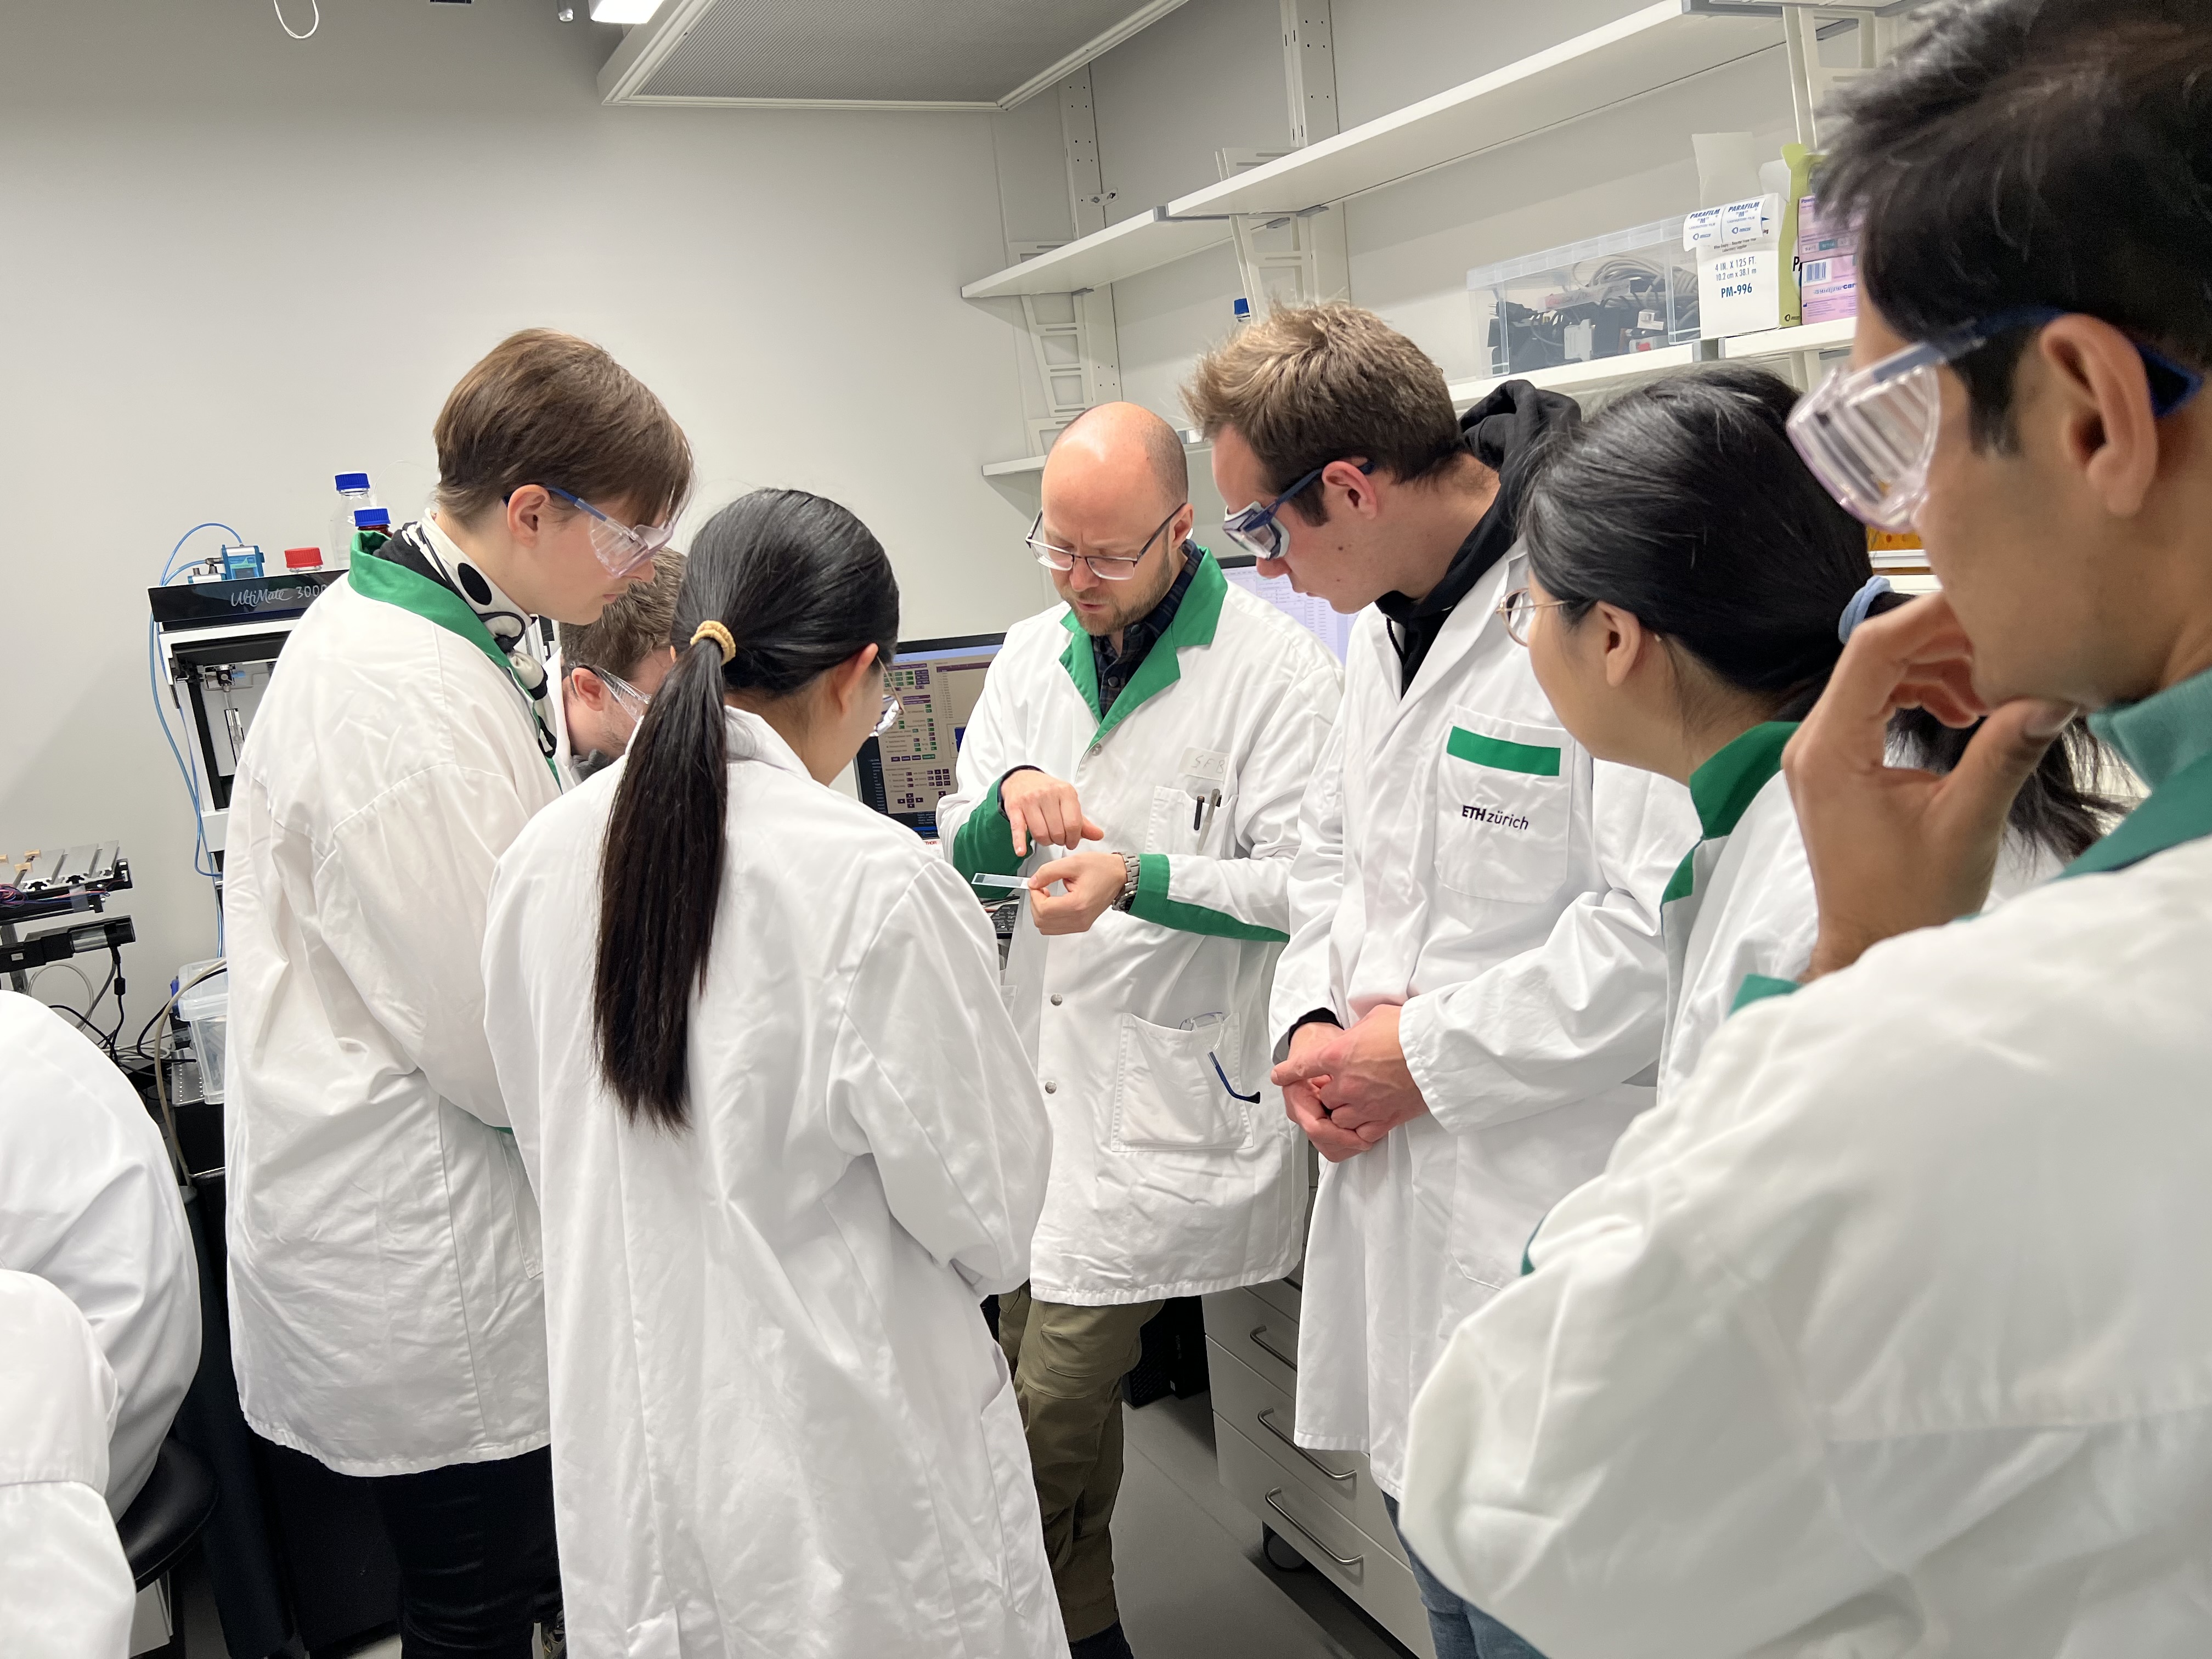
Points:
(235, 265)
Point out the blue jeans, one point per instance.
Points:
(1460, 1629)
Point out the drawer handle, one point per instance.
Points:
(1341, 1560)
(1269, 1424)
(1259, 1339)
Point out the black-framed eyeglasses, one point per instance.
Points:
(1106, 568)
(1256, 529)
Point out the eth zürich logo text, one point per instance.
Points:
(1493, 816)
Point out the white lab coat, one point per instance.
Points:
(64, 1586)
(1516, 916)
(781, 1426)
(1175, 1171)
(1750, 913)
(1888, 1335)
(88, 1202)
(386, 1311)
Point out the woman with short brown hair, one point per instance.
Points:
(385, 1304)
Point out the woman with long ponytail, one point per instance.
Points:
(1690, 586)
(784, 1138)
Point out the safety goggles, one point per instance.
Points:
(627, 695)
(621, 547)
(1256, 529)
(893, 706)
(1869, 436)
(1106, 568)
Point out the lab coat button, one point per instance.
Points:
(1055, 999)
(1051, 1088)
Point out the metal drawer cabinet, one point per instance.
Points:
(1264, 1415)
(1258, 1333)
(1362, 1568)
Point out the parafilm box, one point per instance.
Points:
(1827, 269)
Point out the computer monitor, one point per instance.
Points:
(904, 773)
(1314, 615)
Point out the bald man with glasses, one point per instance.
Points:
(1143, 749)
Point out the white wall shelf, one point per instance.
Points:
(1657, 46)
(1787, 341)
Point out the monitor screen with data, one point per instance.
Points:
(1311, 614)
(905, 773)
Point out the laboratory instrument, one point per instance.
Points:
(906, 770)
(218, 642)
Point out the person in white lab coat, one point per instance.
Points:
(1174, 720)
(1472, 1000)
(609, 669)
(89, 1202)
(1691, 587)
(784, 1140)
(65, 1591)
(385, 1312)
(1886, 1334)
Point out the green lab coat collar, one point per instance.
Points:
(1194, 623)
(2168, 739)
(1723, 789)
(375, 577)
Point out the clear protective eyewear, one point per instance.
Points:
(628, 695)
(1869, 436)
(893, 706)
(621, 547)
(1256, 529)
(1519, 609)
(1106, 568)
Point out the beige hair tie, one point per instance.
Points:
(720, 636)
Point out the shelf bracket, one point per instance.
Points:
(1875, 32)
(1295, 258)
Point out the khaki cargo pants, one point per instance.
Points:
(1068, 1364)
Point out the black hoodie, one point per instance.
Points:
(1501, 432)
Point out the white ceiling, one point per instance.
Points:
(959, 54)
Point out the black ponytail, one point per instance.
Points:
(1684, 503)
(801, 585)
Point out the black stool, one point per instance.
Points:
(165, 1517)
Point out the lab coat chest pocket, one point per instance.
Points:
(1504, 800)
(1172, 1091)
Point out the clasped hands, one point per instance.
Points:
(1348, 1088)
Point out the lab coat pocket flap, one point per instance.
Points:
(1173, 1091)
(1504, 799)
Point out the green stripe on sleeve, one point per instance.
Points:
(1152, 904)
(985, 843)
(1500, 755)
(1757, 988)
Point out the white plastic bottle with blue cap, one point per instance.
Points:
(354, 497)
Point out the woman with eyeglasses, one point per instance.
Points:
(1691, 587)
(784, 1140)
(385, 1310)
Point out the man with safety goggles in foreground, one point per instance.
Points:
(1887, 1335)
(1470, 1007)
(1172, 720)
(386, 1304)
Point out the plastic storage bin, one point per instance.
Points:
(1634, 291)
(206, 1009)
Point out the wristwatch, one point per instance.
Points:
(1128, 894)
